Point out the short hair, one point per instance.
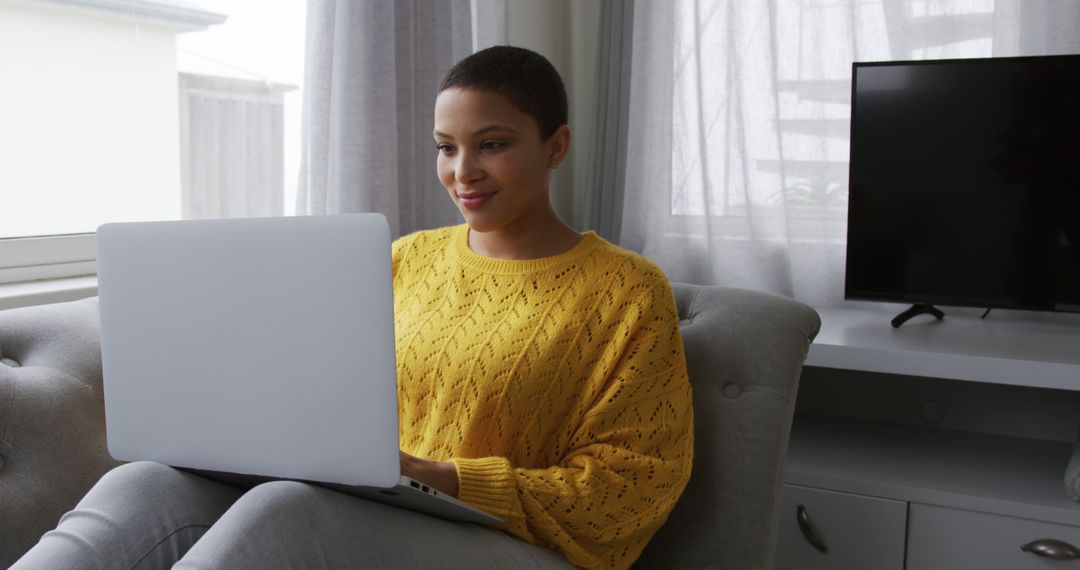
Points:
(526, 78)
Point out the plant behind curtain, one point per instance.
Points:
(372, 70)
(736, 157)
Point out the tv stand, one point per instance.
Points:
(916, 310)
(933, 447)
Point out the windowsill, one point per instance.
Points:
(29, 293)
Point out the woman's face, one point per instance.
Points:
(492, 160)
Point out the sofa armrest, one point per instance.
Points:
(52, 423)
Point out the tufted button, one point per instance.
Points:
(9, 362)
(732, 391)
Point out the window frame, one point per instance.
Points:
(47, 257)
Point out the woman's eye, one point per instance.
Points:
(492, 145)
(444, 148)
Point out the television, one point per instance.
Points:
(964, 184)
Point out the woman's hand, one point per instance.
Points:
(441, 475)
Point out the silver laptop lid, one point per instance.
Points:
(261, 346)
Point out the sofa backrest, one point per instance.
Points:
(744, 351)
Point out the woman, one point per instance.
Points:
(541, 378)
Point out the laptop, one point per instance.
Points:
(258, 348)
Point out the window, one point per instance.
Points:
(761, 98)
(146, 110)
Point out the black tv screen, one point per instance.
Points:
(965, 183)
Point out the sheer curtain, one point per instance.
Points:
(372, 70)
(735, 164)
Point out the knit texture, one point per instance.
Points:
(557, 386)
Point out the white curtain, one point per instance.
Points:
(735, 168)
(372, 69)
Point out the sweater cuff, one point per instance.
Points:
(487, 483)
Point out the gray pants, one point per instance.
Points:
(146, 515)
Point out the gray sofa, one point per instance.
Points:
(744, 348)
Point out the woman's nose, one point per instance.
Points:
(467, 170)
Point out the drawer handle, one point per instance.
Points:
(809, 531)
(1054, 549)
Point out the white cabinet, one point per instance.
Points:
(941, 445)
(946, 539)
(820, 530)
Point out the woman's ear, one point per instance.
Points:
(558, 146)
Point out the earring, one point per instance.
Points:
(553, 163)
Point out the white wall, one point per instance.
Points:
(565, 32)
(88, 121)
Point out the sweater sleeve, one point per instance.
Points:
(628, 460)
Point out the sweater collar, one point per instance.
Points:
(459, 240)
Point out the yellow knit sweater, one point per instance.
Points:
(557, 387)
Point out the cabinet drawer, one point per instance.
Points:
(941, 538)
(858, 532)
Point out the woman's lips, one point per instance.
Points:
(475, 200)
